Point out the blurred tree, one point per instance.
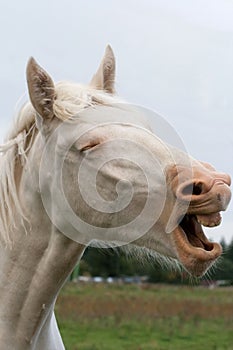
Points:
(115, 263)
(223, 244)
(224, 271)
(229, 251)
(102, 262)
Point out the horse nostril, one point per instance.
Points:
(193, 189)
(197, 188)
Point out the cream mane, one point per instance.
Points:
(70, 100)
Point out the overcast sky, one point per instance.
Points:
(175, 57)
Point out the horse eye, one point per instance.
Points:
(86, 148)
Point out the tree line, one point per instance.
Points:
(116, 263)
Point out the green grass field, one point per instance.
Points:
(107, 317)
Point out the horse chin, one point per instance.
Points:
(195, 252)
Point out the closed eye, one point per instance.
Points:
(89, 146)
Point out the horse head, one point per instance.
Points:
(106, 177)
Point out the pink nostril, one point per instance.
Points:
(195, 189)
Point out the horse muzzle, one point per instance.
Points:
(204, 193)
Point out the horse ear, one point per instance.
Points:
(41, 89)
(104, 79)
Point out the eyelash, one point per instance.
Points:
(86, 148)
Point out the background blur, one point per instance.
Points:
(172, 57)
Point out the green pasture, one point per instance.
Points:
(147, 317)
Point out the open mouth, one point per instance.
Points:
(194, 249)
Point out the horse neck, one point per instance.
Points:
(32, 273)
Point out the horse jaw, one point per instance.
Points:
(195, 252)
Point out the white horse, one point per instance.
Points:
(49, 214)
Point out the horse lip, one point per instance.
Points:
(195, 259)
(217, 199)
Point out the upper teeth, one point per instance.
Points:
(210, 220)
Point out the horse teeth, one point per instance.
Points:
(207, 224)
(201, 222)
(210, 220)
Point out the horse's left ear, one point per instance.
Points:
(104, 79)
(41, 89)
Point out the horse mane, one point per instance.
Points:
(70, 99)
